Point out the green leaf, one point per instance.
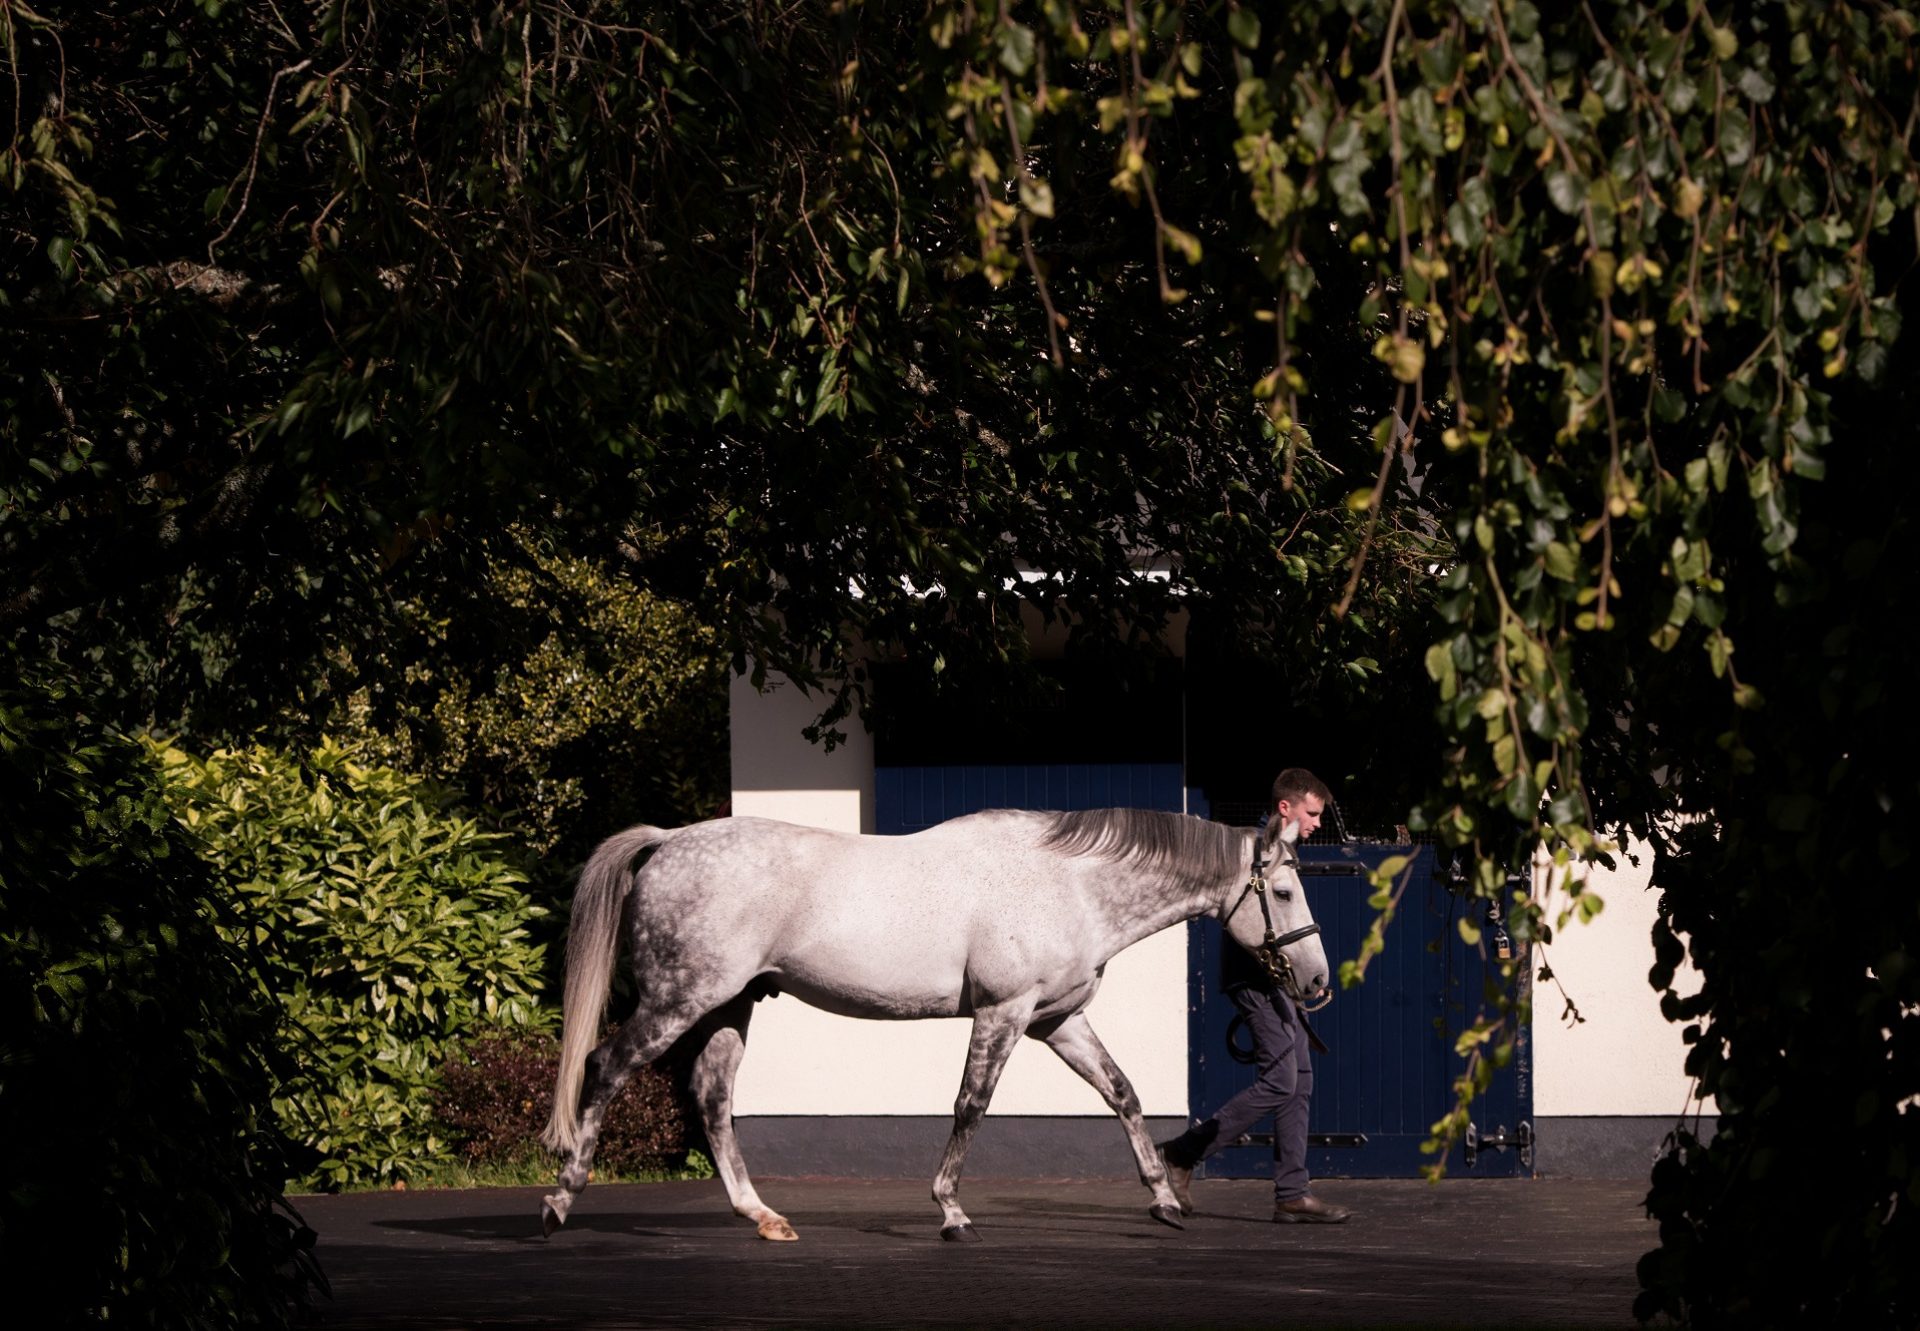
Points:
(1757, 84)
(1344, 140)
(1036, 195)
(1384, 874)
(1244, 26)
(1463, 228)
(1523, 796)
(1568, 191)
(1016, 48)
(1440, 60)
(1440, 667)
(1185, 242)
(1736, 137)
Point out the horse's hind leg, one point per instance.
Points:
(712, 1085)
(1080, 1049)
(996, 1031)
(645, 1036)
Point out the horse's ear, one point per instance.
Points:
(1290, 831)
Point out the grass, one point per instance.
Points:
(534, 1167)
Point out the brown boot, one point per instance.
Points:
(1308, 1210)
(1180, 1179)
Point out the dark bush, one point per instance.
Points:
(496, 1092)
(561, 700)
(142, 1159)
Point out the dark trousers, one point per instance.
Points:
(1282, 1088)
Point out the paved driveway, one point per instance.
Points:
(1507, 1253)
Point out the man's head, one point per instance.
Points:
(1300, 797)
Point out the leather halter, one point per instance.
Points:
(1270, 953)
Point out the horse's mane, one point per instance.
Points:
(1194, 849)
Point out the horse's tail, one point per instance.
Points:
(593, 940)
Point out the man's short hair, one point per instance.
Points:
(1296, 783)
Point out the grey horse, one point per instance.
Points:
(1007, 917)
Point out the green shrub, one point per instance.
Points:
(495, 1093)
(561, 700)
(143, 1164)
(389, 926)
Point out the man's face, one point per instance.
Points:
(1305, 811)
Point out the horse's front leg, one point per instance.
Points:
(1080, 1049)
(996, 1030)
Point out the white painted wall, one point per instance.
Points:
(1625, 1058)
(777, 774)
(803, 1061)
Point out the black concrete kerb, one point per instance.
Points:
(1467, 1253)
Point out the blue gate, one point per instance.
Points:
(1391, 1070)
(912, 799)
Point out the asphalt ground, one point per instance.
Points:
(1467, 1253)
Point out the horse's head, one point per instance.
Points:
(1280, 913)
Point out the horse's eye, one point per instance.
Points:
(1283, 894)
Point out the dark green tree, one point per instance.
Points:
(560, 699)
(685, 288)
(144, 1167)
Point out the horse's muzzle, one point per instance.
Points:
(1317, 1001)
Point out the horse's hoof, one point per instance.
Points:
(776, 1229)
(959, 1234)
(550, 1219)
(1166, 1215)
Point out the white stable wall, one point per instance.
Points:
(777, 774)
(800, 1060)
(1625, 1059)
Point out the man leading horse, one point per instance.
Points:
(1282, 1044)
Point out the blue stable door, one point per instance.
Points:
(912, 799)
